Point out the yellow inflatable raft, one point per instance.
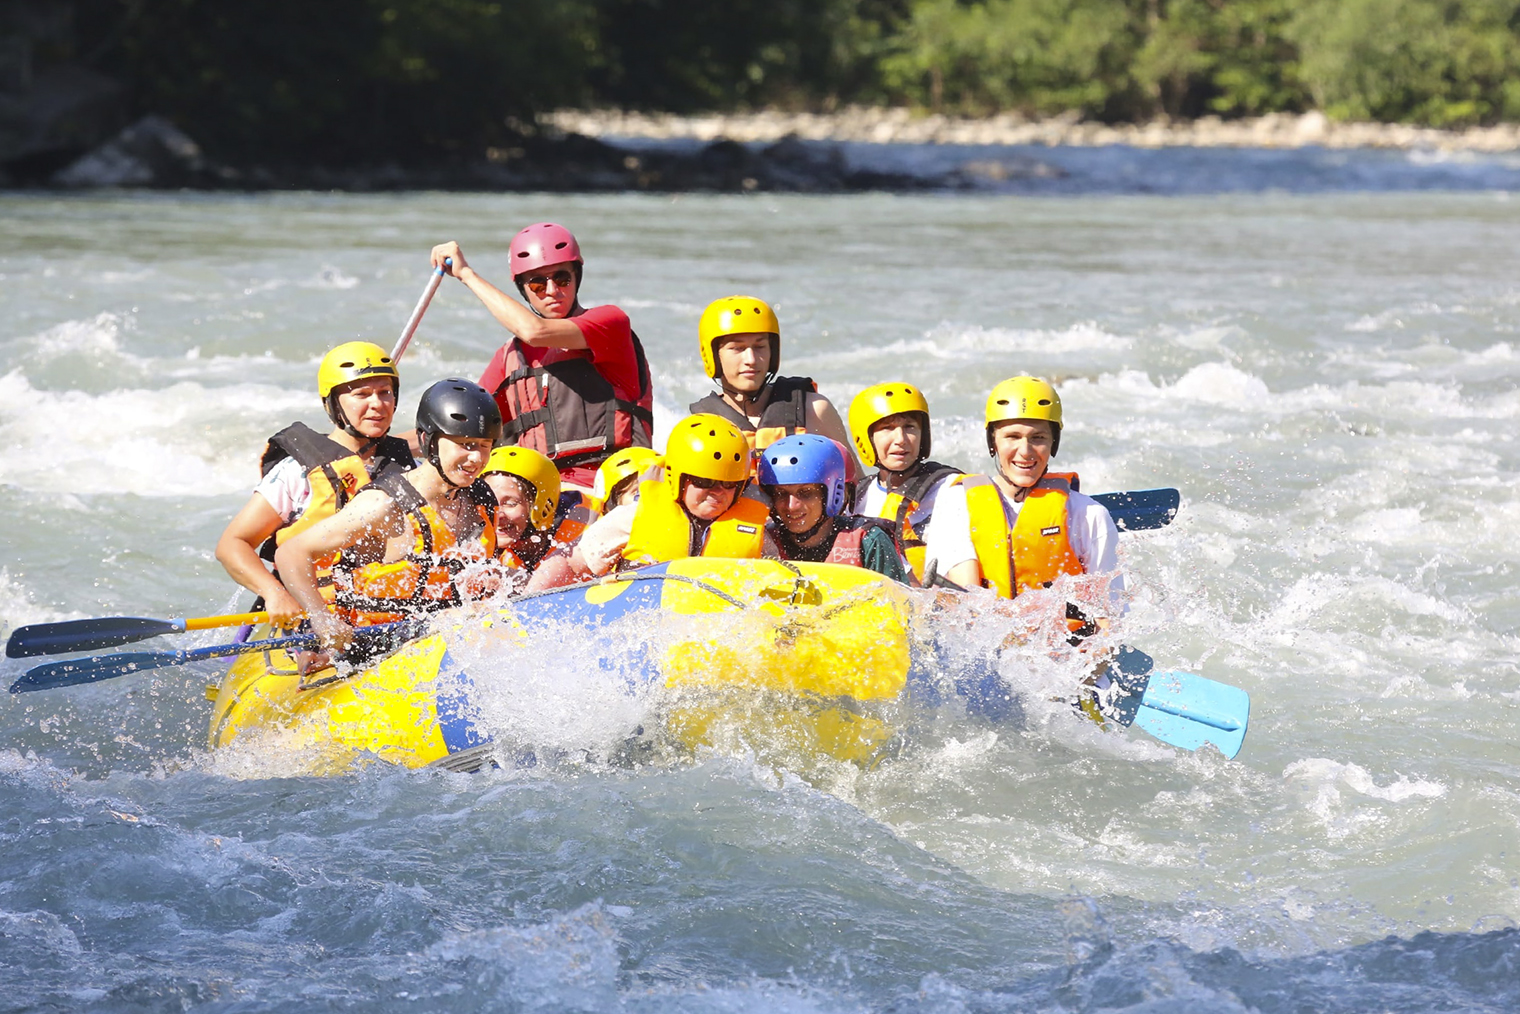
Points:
(805, 649)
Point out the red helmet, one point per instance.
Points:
(541, 244)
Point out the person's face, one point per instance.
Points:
(626, 491)
(707, 502)
(513, 504)
(369, 405)
(1022, 448)
(897, 439)
(799, 506)
(551, 289)
(745, 360)
(463, 458)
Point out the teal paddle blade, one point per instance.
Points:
(1190, 711)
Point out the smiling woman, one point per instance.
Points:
(308, 478)
(401, 543)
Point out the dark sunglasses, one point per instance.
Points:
(539, 284)
(702, 482)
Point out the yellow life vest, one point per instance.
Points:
(663, 531)
(335, 474)
(1037, 548)
(427, 577)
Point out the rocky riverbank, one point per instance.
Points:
(901, 126)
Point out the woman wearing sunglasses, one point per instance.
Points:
(691, 503)
(572, 382)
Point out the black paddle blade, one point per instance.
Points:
(1140, 509)
(84, 635)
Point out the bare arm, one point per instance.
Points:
(823, 418)
(370, 517)
(967, 574)
(512, 315)
(238, 551)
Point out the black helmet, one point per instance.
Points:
(455, 408)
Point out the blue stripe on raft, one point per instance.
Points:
(453, 703)
(570, 605)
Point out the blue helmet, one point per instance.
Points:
(806, 459)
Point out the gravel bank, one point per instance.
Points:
(901, 126)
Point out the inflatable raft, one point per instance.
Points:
(812, 648)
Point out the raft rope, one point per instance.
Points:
(619, 578)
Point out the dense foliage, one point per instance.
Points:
(336, 80)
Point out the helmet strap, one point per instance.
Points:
(745, 400)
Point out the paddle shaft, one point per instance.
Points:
(418, 311)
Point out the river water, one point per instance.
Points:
(1331, 379)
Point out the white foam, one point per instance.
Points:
(98, 336)
(17, 609)
(1329, 773)
(956, 342)
(167, 442)
(1220, 384)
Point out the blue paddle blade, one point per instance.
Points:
(86, 635)
(1140, 509)
(1189, 711)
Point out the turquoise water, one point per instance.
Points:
(1331, 380)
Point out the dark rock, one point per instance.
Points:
(52, 118)
(151, 153)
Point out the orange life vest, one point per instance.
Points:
(426, 579)
(334, 473)
(1037, 548)
(663, 531)
(570, 521)
(785, 413)
(566, 409)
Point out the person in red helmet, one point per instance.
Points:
(571, 382)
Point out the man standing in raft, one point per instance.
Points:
(804, 477)
(740, 341)
(572, 382)
(1027, 525)
(690, 504)
(308, 477)
(412, 542)
(890, 426)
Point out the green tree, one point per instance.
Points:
(342, 82)
(1440, 62)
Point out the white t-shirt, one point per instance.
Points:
(1090, 529)
(286, 488)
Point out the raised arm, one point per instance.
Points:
(512, 315)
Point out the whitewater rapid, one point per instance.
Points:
(1332, 381)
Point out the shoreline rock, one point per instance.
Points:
(874, 125)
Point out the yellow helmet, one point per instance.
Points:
(629, 461)
(737, 315)
(706, 446)
(538, 472)
(353, 361)
(1024, 398)
(873, 405)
